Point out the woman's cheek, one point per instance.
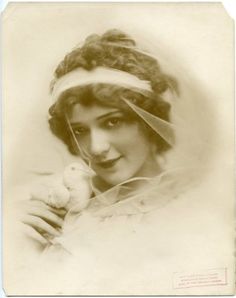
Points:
(84, 144)
(126, 136)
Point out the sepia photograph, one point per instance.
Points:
(118, 149)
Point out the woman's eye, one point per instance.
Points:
(113, 122)
(80, 131)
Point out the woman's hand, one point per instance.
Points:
(42, 221)
(44, 211)
(51, 198)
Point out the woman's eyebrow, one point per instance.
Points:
(103, 116)
(76, 124)
(109, 114)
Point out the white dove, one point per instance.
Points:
(72, 188)
(52, 191)
(76, 178)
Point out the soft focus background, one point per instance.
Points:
(194, 43)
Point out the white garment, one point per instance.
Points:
(133, 252)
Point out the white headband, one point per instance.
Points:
(82, 77)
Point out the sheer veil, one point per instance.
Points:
(192, 142)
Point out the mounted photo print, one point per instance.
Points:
(118, 149)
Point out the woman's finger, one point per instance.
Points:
(47, 215)
(35, 235)
(40, 225)
(59, 211)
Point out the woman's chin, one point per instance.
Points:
(113, 175)
(115, 178)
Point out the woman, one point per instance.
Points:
(112, 109)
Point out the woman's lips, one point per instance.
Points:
(108, 163)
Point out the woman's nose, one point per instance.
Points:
(99, 143)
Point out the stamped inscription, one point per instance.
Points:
(202, 278)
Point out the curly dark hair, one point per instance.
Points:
(114, 49)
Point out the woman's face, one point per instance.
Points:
(117, 147)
